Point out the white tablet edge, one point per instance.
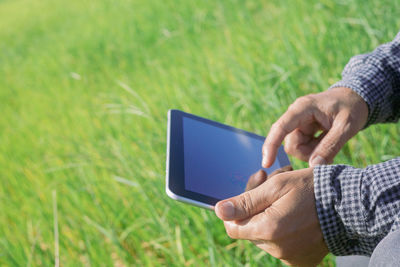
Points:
(188, 200)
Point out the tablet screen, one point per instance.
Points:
(217, 161)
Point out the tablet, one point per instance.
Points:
(208, 161)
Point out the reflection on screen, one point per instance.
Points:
(218, 162)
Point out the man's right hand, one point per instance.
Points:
(339, 113)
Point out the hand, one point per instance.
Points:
(280, 217)
(339, 113)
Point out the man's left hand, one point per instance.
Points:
(280, 217)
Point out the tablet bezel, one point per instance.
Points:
(175, 172)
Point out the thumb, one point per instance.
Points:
(331, 143)
(243, 205)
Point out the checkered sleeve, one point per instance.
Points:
(357, 207)
(376, 78)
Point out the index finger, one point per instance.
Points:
(289, 121)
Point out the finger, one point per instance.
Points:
(296, 140)
(302, 135)
(248, 203)
(332, 142)
(281, 128)
(301, 145)
(311, 128)
(250, 229)
(286, 168)
(256, 179)
(304, 151)
(262, 226)
(301, 112)
(261, 176)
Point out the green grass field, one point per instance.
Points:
(85, 87)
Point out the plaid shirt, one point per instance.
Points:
(358, 207)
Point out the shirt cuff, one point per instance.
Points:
(337, 198)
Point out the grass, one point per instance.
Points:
(85, 88)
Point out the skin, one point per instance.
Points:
(272, 216)
(339, 113)
(278, 213)
(261, 176)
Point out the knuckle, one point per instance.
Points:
(303, 101)
(308, 99)
(246, 203)
(293, 106)
(289, 145)
(275, 126)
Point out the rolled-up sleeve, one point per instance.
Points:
(376, 78)
(357, 207)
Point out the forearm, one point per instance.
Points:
(376, 78)
(357, 207)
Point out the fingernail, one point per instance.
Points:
(228, 210)
(318, 160)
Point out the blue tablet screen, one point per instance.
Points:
(217, 161)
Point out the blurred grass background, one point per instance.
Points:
(85, 87)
